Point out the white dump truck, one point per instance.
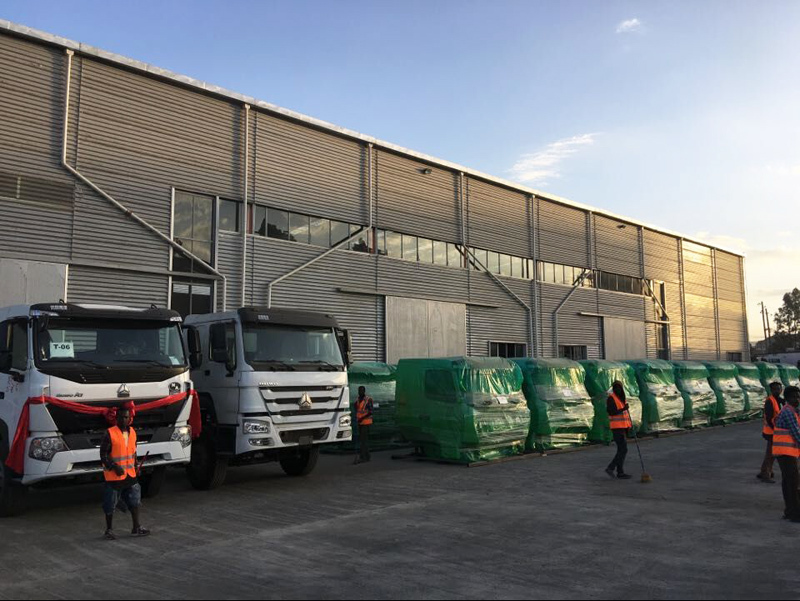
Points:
(58, 361)
(272, 386)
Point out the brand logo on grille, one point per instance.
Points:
(305, 402)
(123, 391)
(175, 387)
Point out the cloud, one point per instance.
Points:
(630, 26)
(541, 166)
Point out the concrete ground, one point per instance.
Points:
(544, 527)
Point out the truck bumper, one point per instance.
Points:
(290, 436)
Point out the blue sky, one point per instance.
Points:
(685, 115)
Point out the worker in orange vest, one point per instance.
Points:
(772, 407)
(786, 448)
(364, 418)
(120, 469)
(619, 418)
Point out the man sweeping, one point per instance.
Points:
(620, 421)
(772, 407)
(118, 456)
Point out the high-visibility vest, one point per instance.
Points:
(362, 412)
(623, 420)
(783, 443)
(121, 454)
(769, 427)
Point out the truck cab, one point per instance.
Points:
(93, 355)
(273, 387)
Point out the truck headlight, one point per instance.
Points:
(44, 449)
(256, 427)
(182, 435)
(345, 421)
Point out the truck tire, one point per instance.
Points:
(301, 462)
(12, 493)
(207, 469)
(151, 483)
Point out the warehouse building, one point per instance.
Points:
(124, 183)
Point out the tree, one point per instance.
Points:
(787, 319)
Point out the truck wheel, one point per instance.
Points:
(12, 493)
(207, 470)
(151, 483)
(300, 463)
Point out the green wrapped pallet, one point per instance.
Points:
(600, 375)
(380, 381)
(769, 373)
(561, 410)
(463, 409)
(731, 398)
(699, 399)
(662, 403)
(790, 375)
(749, 379)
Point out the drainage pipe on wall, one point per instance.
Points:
(244, 204)
(128, 213)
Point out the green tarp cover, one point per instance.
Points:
(700, 401)
(769, 373)
(600, 375)
(561, 409)
(380, 381)
(790, 375)
(749, 379)
(662, 403)
(462, 409)
(731, 398)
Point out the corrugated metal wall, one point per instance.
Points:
(563, 235)
(617, 247)
(662, 263)
(574, 329)
(732, 332)
(699, 297)
(499, 219)
(104, 286)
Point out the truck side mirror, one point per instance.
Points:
(195, 352)
(345, 345)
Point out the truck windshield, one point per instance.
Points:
(111, 343)
(281, 347)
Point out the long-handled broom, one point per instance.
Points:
(646, 478)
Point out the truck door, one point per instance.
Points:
(222, 382)
(13, 377)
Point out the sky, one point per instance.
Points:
(684, 115)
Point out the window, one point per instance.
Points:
(260, 221)
(482, 256)
(192, 228)
(439, 253)
(340, 231)
(229, 216)
(380, 242)
(409, 248)
(735, 357)
(454, 258)
(222, 336)
(191, 298)
(575, 353)
(516, 267)
(394, 245)
(14, 341)
(362, 243)
(320, 232)
(298, 228)
(493, 262)
(278, 224)
(425, 247)
(508, 350)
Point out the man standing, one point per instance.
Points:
(118, 456)
(772, 407)
(364, 418)
(620, 421)
(786, 447)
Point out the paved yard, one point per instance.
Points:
(551, 527)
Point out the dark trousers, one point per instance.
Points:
(790, 479)
(621, 440)
(768, 464)
(363, 442)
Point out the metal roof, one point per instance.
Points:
(85, 49)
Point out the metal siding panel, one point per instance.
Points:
(106, 286)
(701, 325)
(574, 329)
(562, 235)
(229, 263)
(506, 323)
(617, 249)
(498, 219)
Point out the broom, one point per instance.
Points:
(646, 478)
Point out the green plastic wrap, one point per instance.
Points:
(600, 375)
(463, 409)
(699, 399)
(380, 381)
(790, 375)
(662, 403)
(749, 379)
(731, 398)
(561, 410)
(769, 373)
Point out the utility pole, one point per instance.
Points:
(765, 324)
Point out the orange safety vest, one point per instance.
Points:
(769, 428)
(783, 443)
(362, 412)
(124, 456)
(623, 420)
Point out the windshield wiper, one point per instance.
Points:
(324, 363)
(147, 361)
(275, 362)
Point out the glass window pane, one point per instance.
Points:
(454, 258)
(409, 248)
(260, 220)
(482, 256)
(228, 216)
(493, 262)
(394, 245)
(339, 232)
(516, 267)
(360, 244)
(183, 215)
(505, 265)
(550, 273)
(380, 242)
(203, 250)
(439, 253)
(203, 217)
(320, 232)
(425, 250)
(298, 228)
(278, 224)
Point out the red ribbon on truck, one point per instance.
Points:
(16, 454)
